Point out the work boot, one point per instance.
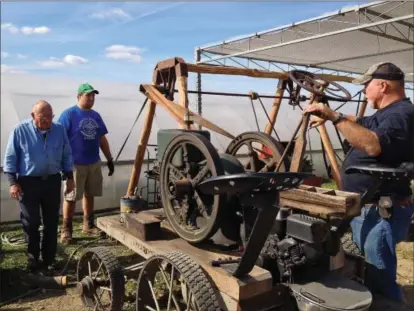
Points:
(66, 232)
(89, 227)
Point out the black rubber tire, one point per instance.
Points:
(195, 277)
(349, 246)
(116, 276)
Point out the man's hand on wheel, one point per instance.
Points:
(320, 114)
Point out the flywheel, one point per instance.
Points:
(189, 159)
(258, 152)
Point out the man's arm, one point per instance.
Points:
(67, 159)
(104, 144)
(103, 141)
(360, 137)
(12, 157)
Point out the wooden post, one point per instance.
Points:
(142, 146)
(182, 96)
(327, 145)
(276, 106)
(300, 143)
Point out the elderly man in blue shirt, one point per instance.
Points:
(38, 155)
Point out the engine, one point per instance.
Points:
(298, 249)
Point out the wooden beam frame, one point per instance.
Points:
(174, 71)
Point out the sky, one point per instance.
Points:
(123, 41)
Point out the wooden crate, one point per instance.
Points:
(322, 201)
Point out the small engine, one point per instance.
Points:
(298, 249)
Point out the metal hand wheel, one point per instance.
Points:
(316, 84)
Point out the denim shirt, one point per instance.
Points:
(30, 153)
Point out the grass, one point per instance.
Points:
(13, 260)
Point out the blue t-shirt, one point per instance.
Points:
(84, 129)
(394, 126)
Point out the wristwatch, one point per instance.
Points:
(340, 117)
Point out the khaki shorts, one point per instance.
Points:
(88, 181)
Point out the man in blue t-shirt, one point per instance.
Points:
(387, 138)
(86, 132)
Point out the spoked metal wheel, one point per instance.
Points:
(174, 282)
(258, 152)
(188, 160)
(101, 282)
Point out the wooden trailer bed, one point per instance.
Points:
(146, 233)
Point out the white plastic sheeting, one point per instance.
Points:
(119, 105)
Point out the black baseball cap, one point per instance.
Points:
(385, 71)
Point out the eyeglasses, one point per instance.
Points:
(45, 118)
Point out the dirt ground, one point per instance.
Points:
(69, 300)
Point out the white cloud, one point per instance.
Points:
(9, 27)
(10, 69)
(74, 60)
(21, 56)
(34, 30)
(4, 54)
(26, 30)
(123, 52)
(111, 13)
(54, 62)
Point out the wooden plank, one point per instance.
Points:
(257, 282)
(322, 201)
(255, 73)
(152, 93)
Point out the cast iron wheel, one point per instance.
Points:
(309, 82)
(174, 282)
(188, 160)
(99, 273)
(263, 151)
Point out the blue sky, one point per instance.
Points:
(118, 41)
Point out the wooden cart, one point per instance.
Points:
(149, 234)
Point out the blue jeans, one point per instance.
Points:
(377, 239)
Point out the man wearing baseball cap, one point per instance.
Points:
(86, 131)
(387, 138)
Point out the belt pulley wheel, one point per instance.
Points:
(188, 160)
(257, 152)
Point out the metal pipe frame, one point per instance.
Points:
(358, 8)
(360, 27)
(363, 13)
(259, 95)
